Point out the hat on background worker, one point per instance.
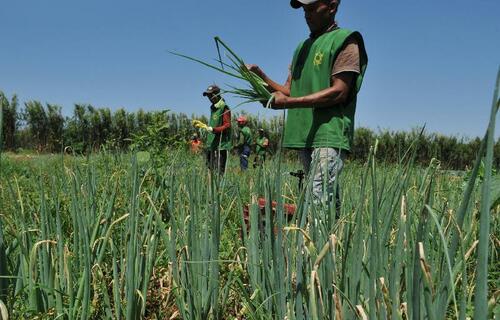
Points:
(212, 89)
(241, 119)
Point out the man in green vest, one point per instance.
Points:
(261, 144)
(244, 141)
(219, 130)
(320, 92)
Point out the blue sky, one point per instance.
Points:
(430, 62)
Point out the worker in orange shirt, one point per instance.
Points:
(195, 144)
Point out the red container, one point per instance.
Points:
(289, 211)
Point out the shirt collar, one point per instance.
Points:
(332, 27)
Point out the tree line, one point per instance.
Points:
(42, 127)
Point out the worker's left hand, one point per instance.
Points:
(255, 69)
(280, 100)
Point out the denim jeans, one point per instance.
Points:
(323, 166)
(244, 155)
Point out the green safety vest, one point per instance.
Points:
(245, 136)
(259, 148)
(311, 72)
(218, 141)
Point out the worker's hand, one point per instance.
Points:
(258, 74)
(209, 129)
(280, 100)
(200, 125)
(255, 69)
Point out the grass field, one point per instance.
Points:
(108, 237)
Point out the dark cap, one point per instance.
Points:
(299, 3)
(212, 89)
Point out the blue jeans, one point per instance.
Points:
(323, 166)
(244, 155)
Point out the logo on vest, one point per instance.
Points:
(318, 58)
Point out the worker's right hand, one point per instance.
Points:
(200, 125)
(280, 101)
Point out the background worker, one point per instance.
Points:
(321, 89)
(219, 130)
(195, 144)
(261, 145)
(244, 141)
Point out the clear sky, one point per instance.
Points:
(431, 62)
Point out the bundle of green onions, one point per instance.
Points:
(256, 91)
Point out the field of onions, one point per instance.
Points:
(110, 236)
(107, 237)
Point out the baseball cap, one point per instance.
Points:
(299, 3)
(212, 89)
